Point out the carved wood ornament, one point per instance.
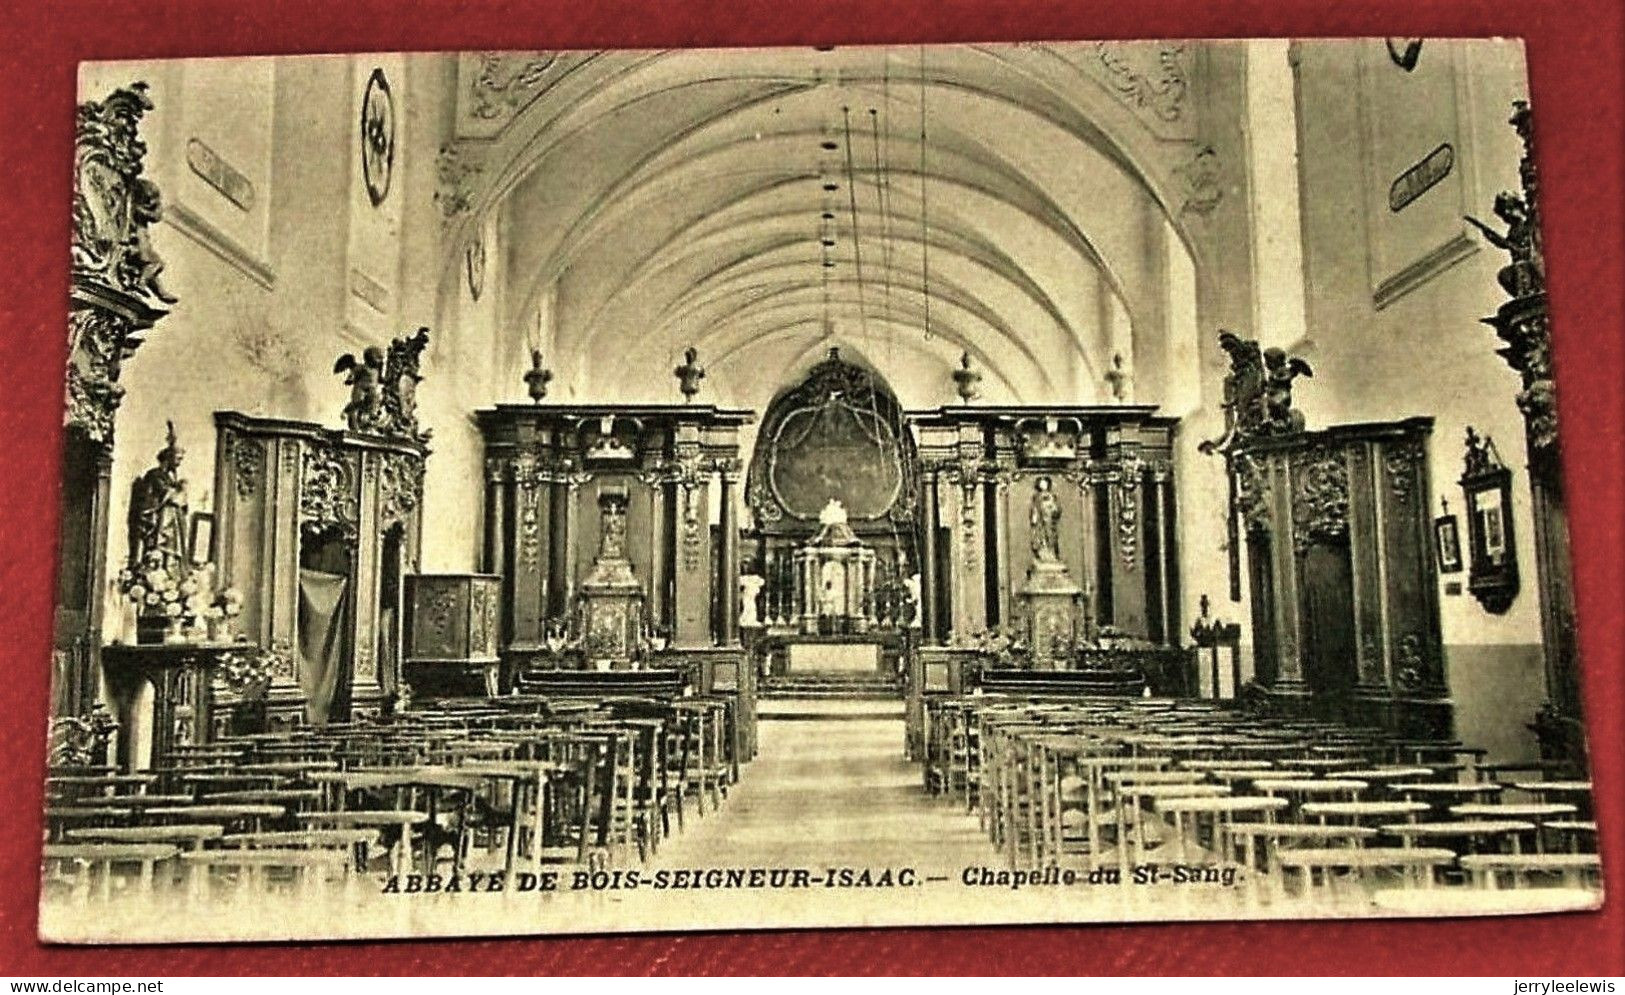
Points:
(117, 291)
(1320, 500)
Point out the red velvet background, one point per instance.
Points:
(1575, 56)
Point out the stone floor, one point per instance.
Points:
(834, 792)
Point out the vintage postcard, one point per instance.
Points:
(537, 492)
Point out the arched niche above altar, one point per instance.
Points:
(836, 436)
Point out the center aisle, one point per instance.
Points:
(830, 792)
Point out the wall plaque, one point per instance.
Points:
(1420, 178)
(369, 291)
(220, 174)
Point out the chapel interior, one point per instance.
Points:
(1049, 456)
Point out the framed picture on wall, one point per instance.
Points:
(1447, 540)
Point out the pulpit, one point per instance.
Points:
(451, 634)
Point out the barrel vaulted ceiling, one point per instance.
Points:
(1016, 204)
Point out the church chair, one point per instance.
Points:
(1299, 790)
(1573, 835)
(1412, 867)
(1260, 843)
(295, 799)
(620, 771)
(184, 837)
(650, 798)
(87, 788)
(706, 766)
(1441, 795)
(61, 819)
(358, 841)
(389, 823)
(1221, 812)
(251, 870)
(1575, 792)
(1514, 770)
(290, 768)
(1466, 836)
(82, 866)
(1538, 813)
(1363, 813)
(1568, 870)
(1132, 797)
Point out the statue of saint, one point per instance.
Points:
(158, 513)
(1045, 519)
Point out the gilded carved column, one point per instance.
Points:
(1001, 566)
(658, 557)
(1283, 564)
(1162, 515)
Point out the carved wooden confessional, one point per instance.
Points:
(1340, 571)
(317, 528)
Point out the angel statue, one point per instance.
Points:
(1279, 372)
(365, 411)
(1526, 273)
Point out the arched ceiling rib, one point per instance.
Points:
(687, 197)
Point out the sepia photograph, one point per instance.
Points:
(542, 492)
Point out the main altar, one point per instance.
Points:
(836, 574)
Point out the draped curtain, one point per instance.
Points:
(321, 640)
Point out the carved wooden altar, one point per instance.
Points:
(114, 300)
(182, 700)
(1109, 470)
(297, 503)
(1341, 571)
(547, 466)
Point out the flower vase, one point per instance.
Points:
(150, 630)
(219, 630)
